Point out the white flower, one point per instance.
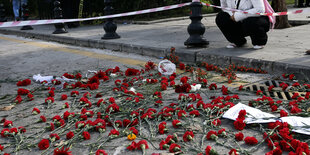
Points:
(193, 88)
(132, 89)
(196, 87)
(113, 75)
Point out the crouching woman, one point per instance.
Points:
(237, 25)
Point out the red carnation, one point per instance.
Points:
(283, 85)
(222, 132)
(295, 110)
(22, 91)
(213, 86)
(292, 77)
(242, 114)
(49, 100)
(7, 123)
(30, 97)
(133, 146)
(250, 140)
(18, 99)
(270, 88)
(176, 123)
(216, 122)
(283, 113)
(163, 145)
(184, 79)
(101, 152)
(239, 136)
(171, 139)
(233, 152)
(210, 151)
(162, 127)
(142, 144)
(239, 124)
(25, 82)
(69, 135)
(22, 129)
(174, 148)
(44, 144)
(181, 114)
(62, 151)
(51, 93)
(274, 108)
(126, 122)
(188, 136)
(112, 108)
(276, 151)
(64, 97)
(52, 127)
(13, 131)
(42, 118)
(182, 66)
(259, 92)
(114, 132)
(194, 113)
(66, 105)
(35, 111)
(134, 130)
(131, 72)
(5, 132)
(224, 90)
(75, 93)
(54, 136)
(212, 135)
(86, 135)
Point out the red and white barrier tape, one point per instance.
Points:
(53, 21)
(264, 14)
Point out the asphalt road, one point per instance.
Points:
(22, 58)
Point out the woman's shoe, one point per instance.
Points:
(231, 45)
(257, 47)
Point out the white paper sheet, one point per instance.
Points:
(254, 115)
(300, 124)
(39, 78)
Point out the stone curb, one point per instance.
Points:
(170, 19)
(272, 67)
(100, 44)
(186, 56)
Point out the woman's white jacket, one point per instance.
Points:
(250, 6)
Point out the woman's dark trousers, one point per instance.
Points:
(235, 32)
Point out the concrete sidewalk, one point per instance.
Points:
(284, 53)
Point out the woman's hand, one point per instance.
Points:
(232, 17)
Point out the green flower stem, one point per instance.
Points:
(72, 105)
(202, 139)
(150, 128)
(285, 141)
(261, 142)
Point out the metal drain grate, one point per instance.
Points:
(277, 90)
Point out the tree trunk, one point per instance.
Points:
(281, 21)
